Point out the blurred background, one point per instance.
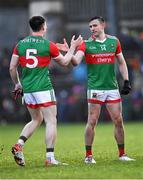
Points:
(65, 18)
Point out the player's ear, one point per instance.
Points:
(104, 25)
(43, 27)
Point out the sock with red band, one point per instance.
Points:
(88, 151)
(121, 149)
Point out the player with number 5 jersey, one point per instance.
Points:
(34, 54)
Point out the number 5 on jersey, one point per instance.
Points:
(29, 56)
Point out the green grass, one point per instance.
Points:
(70, 149)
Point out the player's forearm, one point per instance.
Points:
(124, 71)
(14, 75)
(77, 58)
(74, 61)
(68, 56)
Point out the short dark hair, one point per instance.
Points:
(99, 18)
(36, 22)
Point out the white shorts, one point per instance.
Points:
(103, 96)
(40, 99)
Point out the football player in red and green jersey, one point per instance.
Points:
(100, 52)
(34, 54)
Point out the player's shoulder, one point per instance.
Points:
(51, 42)
(22, 40)
(90, 39)
(111, 37)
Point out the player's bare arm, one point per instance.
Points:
(13, 71)
(15, 77)
(126, 89)
(77, 58)
(65, 60)
(123, 66)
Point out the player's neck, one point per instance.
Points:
(101, 37)
(37, 33)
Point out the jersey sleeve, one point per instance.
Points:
(15, 51)
(119, 48)
(82, 47)
(54, 51)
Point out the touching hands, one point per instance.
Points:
(76, 42)
(63, 47)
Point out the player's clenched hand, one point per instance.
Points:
(76, 42)
(63, 47)
(126, 88)
(18, 92)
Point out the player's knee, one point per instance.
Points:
(93, 118)
(51, 121)
(38, 119)
(116, 116)
(92, 123)
(118, 122)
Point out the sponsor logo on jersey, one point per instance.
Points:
(105, 58)
(103, 55)
(92, 47)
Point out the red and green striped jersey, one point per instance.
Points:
(100, 58)
(35, 54)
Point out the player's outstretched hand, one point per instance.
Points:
(18, 92)
(63, 47)
(126, 88)
(76, 42)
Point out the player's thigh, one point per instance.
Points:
(35, 114)
(115, 110)
(93, 112)
(49, 113)
(113, 103)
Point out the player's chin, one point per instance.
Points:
(95, 34)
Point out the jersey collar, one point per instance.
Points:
(101, 41)
(38, 35)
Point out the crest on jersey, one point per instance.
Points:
(94, 95)
(103, 47)
(112, 46)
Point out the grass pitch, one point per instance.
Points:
(70, 149)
